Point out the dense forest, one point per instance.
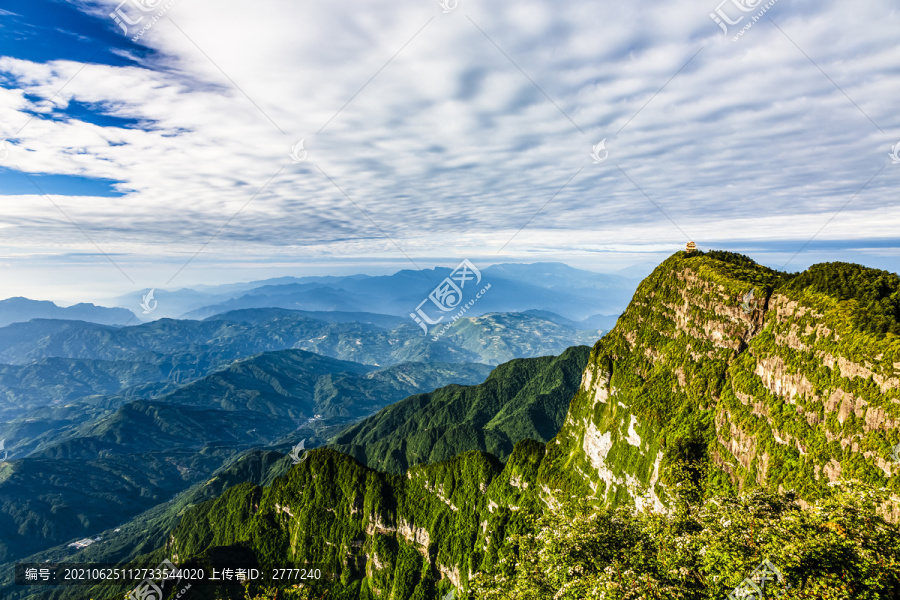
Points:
(839, 548)
(871, 296)
(721, 443)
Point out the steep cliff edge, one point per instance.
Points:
(793, 386)
(785, 387)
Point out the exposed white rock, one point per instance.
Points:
(419, 535)
(646, 498)
(450, 573)
(633, 438)
(596, 446)
(516, 481)
(591, 380)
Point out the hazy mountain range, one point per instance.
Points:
(51, 361)
(86, 468)
(16, 310)
(575, 294)
(175, 432)
(699, 383)
(101, 422)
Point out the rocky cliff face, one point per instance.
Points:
(775, 388)
(381, 535)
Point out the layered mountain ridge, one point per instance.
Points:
(522, 399)
(721, 371)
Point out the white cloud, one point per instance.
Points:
(450, 149)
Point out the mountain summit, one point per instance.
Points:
(794, 386)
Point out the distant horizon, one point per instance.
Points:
(634, 271)
(140, 152)
(448, 248)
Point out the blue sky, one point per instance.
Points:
(160, 157)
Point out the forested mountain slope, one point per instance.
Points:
(144, 534)
(702, 389)
(526, 398)
(87, 475)
(795, 387)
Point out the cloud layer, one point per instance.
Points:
(434, 134)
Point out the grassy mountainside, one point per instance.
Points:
(478, 529)
(788, 389)
(526, 398)
(700, 390)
